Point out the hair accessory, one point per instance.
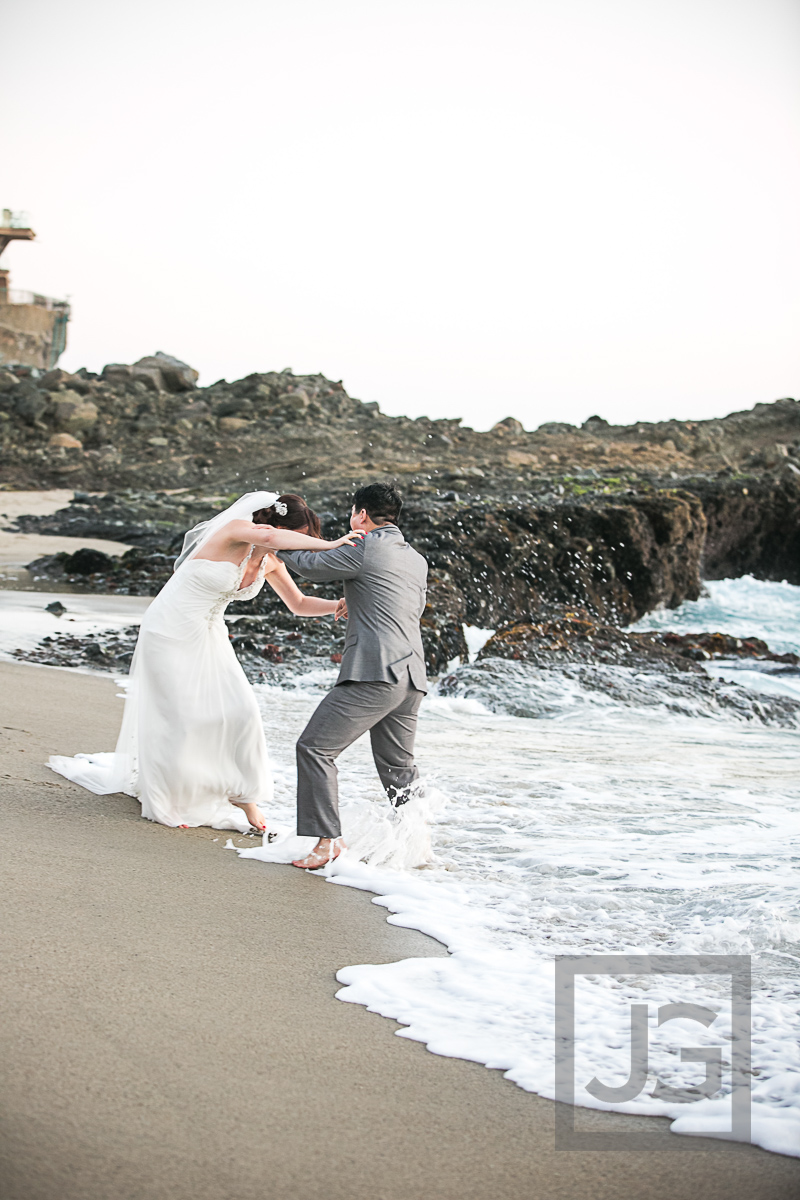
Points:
(280, 508)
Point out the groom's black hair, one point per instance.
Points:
(382, 501)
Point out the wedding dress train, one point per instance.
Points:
(192, 738)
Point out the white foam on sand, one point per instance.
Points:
(24, 619)
(609, 830)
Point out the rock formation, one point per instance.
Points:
(518, 526)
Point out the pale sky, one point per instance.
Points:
(477, 208)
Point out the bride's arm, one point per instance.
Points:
(285, 539)
(304, 606)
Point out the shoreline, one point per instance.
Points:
(147, 964)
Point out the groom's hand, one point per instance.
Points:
(340, 612)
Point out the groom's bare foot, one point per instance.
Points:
(254, 816)
(325, 850)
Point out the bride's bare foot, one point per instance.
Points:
(254, 816)
(324, 852)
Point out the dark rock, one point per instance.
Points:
(8, 381)
(551, 427)
(56, 608)
(511, 561)
(753, 527)
(508, 425)
(177, 376)
(116, 372)
(442, 624)
(575, 637)
(94, 652)
(29, 403)
(88, 562)
(235, 406)
(52, 380)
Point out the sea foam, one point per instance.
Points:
(609, 827)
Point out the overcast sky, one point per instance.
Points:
(542, 208)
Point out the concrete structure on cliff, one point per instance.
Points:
(33, 328)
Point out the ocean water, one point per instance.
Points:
(605, 821)
(24, 619)
(740, 607)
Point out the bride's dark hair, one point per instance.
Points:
(297, 516)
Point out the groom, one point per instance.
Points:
(382, 679)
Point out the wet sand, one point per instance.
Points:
(35, 504)
(19, 549)
(169, 1027)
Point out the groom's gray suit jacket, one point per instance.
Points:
(385, 583)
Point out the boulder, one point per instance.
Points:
(193, 413)
(556, 427)
(28, 402)
(573, 637)
(151, 377)
(8, 380)
(51, 381)
(232, 424)
(64, 441)
(177, 376)
(296, 401)
(73, 413)
(88, 562)
(508, 425)
(234, 407)
(522, 458)
(116, 372)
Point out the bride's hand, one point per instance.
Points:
(340, 612)
(352, 537)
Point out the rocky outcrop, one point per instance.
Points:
(442, 624)
(149, 425)
(491, 563)
(518, 526)
(159, 372)
(576, 638)
(753, 525)
(617, 558)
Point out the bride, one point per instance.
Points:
(192, 746)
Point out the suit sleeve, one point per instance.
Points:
(322, 566)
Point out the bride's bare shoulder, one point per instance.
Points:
(232, 531)
(237, 531)
(225, 541)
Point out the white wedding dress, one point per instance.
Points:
(192, 738)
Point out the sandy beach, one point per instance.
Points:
(19, 549)
(170, 1027)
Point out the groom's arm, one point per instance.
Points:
(345, 562)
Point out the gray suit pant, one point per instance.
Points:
(389, 712)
